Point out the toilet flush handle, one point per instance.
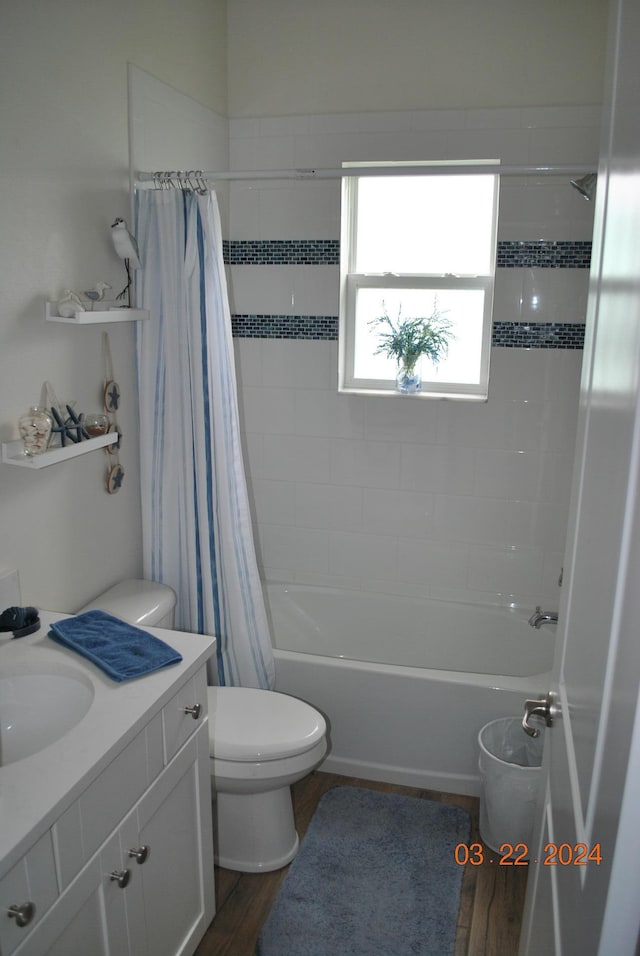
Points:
(195, 711)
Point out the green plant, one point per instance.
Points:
(408, 339)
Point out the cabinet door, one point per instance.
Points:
(89, 918)
(174, 822)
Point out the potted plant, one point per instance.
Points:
(407, 340)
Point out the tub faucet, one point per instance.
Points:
(539, 617)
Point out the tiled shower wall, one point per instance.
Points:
(418, 497)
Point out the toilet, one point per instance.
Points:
(260, 742)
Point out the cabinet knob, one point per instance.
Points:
(195, 711)
(22, 913)
(121, 877)
(139, 853)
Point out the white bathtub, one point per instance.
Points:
(405, 684)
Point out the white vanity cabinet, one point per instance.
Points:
(129, 863)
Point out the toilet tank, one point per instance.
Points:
(144, 603)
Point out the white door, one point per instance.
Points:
(576, 904)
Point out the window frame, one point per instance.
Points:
(351, 282)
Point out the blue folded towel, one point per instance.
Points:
(119, 649)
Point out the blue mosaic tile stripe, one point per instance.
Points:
(285, 326)
(508, 335)
(540, 254)
(543, 254)
(538, 335)
(283, 252)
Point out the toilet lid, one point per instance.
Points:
(249, 724)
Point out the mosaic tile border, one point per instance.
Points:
(537, 335)
(508, 335)
(282, 252)
(539, 254)
(314, 327)
(543, 254)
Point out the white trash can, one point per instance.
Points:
(511, 776)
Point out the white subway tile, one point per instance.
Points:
(400, 513)
(513, 475)
(281, 361)
(312, 505)
(362, 555)
(284, 547)
(329, 506)
(494, 119)
(269, 410)
(564, 117)
(248, 361)
(432, 563)
(299, 210)
(315, 290)
(510, 569)
(321, 412)
(485, 520)
(296, 458)
(316, 364)
(392, 420)
(274, 501)
(364, 463)
(263, 290)
(438, 468)
(495, 424)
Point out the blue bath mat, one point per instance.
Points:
(375, 875)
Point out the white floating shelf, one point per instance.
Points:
(108, 313)
(13, 451)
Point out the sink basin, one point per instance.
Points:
(38, 709)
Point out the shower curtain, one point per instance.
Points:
(196, 524)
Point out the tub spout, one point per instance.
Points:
(539, 617)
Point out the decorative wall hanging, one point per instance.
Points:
(111, 393)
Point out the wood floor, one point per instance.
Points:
(490, 909)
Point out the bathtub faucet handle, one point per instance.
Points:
(547, 709)
(539, 617)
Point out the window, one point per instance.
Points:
(413, 245)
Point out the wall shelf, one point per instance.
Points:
(13, 451)
(108, 313)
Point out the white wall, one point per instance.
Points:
(331, 56)
(63, 179)
(412, 497)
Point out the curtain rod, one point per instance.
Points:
(367, 170)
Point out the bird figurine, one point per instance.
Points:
(97, 293)
(69, 303)
(124, 242)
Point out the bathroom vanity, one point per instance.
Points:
(106, 832)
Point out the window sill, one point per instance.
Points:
(424, 393)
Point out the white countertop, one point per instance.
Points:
(36, 790)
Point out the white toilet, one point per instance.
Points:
(260, 743)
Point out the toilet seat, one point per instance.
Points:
(249, 725)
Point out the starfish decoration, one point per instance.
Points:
(68, 426)
(115, 478)
(112, 396)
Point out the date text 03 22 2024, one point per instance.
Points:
(517, 854)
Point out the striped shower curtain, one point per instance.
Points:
(196, 524)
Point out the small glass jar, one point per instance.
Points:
(96, 424)
(35, 430)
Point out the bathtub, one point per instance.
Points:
(405, 684)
